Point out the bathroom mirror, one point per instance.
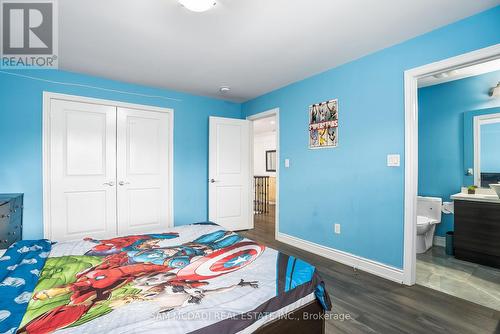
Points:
(482, 147)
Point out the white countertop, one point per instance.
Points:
(491, 198)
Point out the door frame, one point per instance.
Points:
(47, 97)
(272, 112)
(411, 77)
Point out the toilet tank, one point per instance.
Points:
(429, 207)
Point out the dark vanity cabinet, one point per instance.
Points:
(11, 219)
(477, 232)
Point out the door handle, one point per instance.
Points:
(122, 183)
(110, 183)
(213, 181)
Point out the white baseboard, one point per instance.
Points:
(357, 262)
(439, 241)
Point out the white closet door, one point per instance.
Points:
(82, 170)
(143, 167)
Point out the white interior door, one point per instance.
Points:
(229, 173)
(82, 170)
(143, 167)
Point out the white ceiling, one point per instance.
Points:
(264, 125)
(253, 46)
(460, 73)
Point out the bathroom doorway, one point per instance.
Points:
(458, 139)
(266, 171)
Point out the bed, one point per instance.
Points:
(197, 278)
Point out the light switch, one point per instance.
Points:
(287, 163)
(393, 160)
(337, 228)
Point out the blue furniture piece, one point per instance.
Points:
(11, 219)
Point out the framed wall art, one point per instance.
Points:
(324, 124)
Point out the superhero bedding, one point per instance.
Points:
(195, 279)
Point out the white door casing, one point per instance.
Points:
(143, 144)
(83, 170)
(229, 173)
(411, 77)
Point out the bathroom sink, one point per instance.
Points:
(496, 187)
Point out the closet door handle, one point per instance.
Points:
(122, 183)
(110, 183)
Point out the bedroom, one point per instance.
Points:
(142, 88)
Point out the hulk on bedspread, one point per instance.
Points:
(61, 271)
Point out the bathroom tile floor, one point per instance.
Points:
(473, 282)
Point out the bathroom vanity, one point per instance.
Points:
(477, 228)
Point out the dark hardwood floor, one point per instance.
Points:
(376, 305)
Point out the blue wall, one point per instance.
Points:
(490, 148)
(21, 139)
(445, 135)
(351, 184)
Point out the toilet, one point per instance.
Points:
(428, 215)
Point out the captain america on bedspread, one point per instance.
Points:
(196, 278)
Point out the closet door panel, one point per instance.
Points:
(143, 168)
(82, 170)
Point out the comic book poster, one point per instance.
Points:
(323, 124)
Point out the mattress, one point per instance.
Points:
(197, 278)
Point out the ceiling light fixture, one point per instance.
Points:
(495, 91)
(224, 89)
(198, 5)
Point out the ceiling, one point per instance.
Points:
(264, 125)
(253, 46)
(460, 73)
